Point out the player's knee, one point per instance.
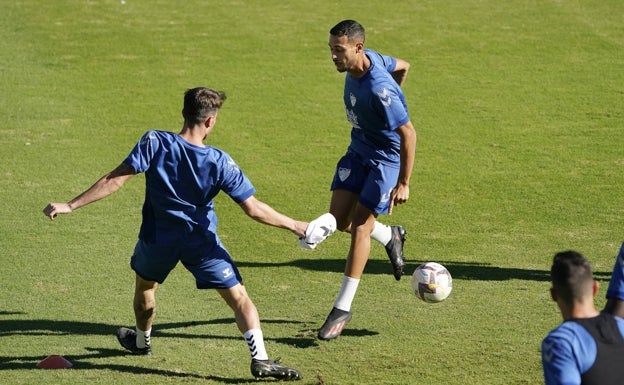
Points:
(345, 226)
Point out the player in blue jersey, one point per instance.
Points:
(374, 174)
(182, 177)
(588, 347)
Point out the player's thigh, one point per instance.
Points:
(341, 207)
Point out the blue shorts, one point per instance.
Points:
(209, 262)
(372, 180)
(616, 284)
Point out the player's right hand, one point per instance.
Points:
(53, 209)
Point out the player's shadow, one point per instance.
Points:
(85, 362)
(458, 269)
(38, 328)
(45, 327)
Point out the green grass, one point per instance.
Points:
(518, 109)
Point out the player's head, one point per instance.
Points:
(200, 103)
(572, 277)
(346, 43)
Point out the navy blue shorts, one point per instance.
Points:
(209, 262)
(371, 180)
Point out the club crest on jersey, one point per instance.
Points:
(353, 99)
(343, 173)
(384, 97)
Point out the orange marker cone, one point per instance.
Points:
(54, 362)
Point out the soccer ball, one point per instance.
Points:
(432, 282)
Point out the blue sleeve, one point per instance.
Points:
(389, 62)
(557, 361)
(567, 353)
(143, 152)
(390, 103)
(234, 182)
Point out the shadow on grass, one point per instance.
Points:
(459, 270)
(79, 363)
(44, 327)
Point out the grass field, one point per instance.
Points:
(518, 107)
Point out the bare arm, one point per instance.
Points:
(105, 186)
(400, 71)
(400, 193)
(265, 214)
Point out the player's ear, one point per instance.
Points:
(595, 288)
(211, 121)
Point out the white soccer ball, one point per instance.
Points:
(432, 282)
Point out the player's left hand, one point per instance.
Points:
(399, 195)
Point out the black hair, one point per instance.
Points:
(349, 28)
(571, 275)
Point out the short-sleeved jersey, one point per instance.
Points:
(376, 107)
(181, 182)
(570, 351)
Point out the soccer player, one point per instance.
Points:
(588, 347)
(374, 174)
(182, 177)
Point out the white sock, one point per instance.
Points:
(143, 338)
(381, 233)
(347, 293)
(255, 343)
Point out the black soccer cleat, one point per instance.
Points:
(394, 248)
(268, 368)
(127, 339)
(335, 322)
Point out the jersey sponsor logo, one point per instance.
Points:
(227, 272)
(343, 173)
(384, 97)
(232, 166)
(148, 138)
(547, 352)
(352, 118)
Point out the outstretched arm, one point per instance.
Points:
(400, 71)
(265, 214)
(105, 186)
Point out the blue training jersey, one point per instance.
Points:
(570, 351)
(376, 107)
(181, 181)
